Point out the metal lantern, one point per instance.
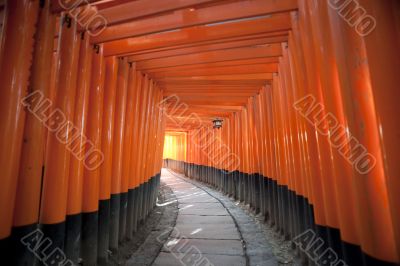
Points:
(217, 123)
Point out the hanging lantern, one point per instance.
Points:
(217, 123)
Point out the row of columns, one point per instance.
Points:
(82, 139)
(317, 147)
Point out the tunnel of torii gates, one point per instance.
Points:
(307, 91)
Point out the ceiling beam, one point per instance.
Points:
(134, 10)
(268, 50)
(214, 41)
(212, 71)
(209, 47)
(182, 18)
(241, 62)
(213, 83)
(211, 94)
(221, 108)
(273, 23)
(242, 77)
(122, 10)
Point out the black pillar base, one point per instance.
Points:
(90, 227)
(122, 216)
(13, 251)
(103, 232)
(130, 213)
(73, 237)
(115, 202)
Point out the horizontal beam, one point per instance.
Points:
(268, 50)
(211, 89)
(218, 102)
(211, 94)
(243, 77)
(213, 83)
(184, 17)
(180, 128)
(142, 8)
(121, 10)
(175, 133)
(205, 100)
(205, 108)
(241, 62)
(60, 6)
(209, 47)
(212, 71)
(273, 23)
(214, 41)
(197, 116)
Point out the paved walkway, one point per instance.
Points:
(211, 230)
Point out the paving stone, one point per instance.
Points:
(187, 192)
(170, 259)
(204, 246)
(205, 212)
(206, 231)
(205, 228)
(204, 205)
(263, 261)
(199, 220)
(199, 199)
(194, 196)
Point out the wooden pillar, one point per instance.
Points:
(142, 132)
(128, 140)
(384, 61)
(119, 122)
(133, 179)
(123, 81)
(55, 182)
(94, 159)
(76, 169)
(15, 64)
(370, 168)
(27, 201)
(144, 162)
(107, 137)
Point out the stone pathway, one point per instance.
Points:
(211, 230)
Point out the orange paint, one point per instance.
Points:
(55, 182)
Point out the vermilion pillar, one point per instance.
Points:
(76, 169)
(146, 131)
(27, 201)
(384, 61)
(140, 148)
(107, 137)
(369, 167)
(123, 81)
(149, 153)
(335, 124)
(315, 195)
(127, 161)
(119, 122)
(18, 35)
(90, 201)
(320, 149)
(55, 182)
(133, 179)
